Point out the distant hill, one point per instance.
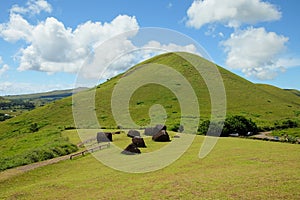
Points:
(48, 96)
(264, 104)
(296, 92)
(16, 104)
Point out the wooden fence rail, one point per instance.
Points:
(91, 150)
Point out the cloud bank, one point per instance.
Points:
(33, 7)
(253, 50)
(232, 13)
(52, 47)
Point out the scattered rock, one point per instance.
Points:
(131, 150)
(138, 141)
(133, 133)
(104, 137)
(154, 130)
(161, 136)
(161, 127)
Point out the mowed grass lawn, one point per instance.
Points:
(235, 169)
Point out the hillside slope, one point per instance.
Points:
(264, 104)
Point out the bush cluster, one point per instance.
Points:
(177, 128)
(36, 155)
(285, 124)
(232, 125)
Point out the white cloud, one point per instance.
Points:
(170, 47)
(230, 12)
(288, 62)
(54, 47)
(256, 52)
(33, 7)
(119, 54)
(16, 29)
(109, 59)
(4, 68)
(221, 34)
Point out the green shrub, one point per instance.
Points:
(203, 127)
(239, 124)
(233, 124)
(60, 148)
(4, 117)
(211, 128)
(286, 124)
(33, 156)
(290, 139)
(33, 127)
(139, 103)
(69, 127)
(177, 128)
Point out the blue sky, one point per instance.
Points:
(44, 43)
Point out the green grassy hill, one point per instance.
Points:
(264, 104)
(20, 145)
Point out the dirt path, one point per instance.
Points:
(267, 136)
(263, 134)
(22, 169)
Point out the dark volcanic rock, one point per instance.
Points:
(104, 137)
(133, 133)
(154, 130)
(161, 136)
(138, 141)
(131, 150)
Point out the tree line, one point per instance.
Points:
(16, 104)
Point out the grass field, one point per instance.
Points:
(235, 169)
